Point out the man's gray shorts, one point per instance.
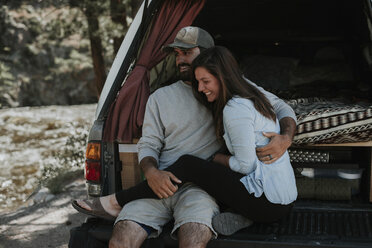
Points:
(188, 204)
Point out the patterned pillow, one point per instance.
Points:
(322, 121)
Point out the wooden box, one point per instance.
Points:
(130, 173)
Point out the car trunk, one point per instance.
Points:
(302, 49)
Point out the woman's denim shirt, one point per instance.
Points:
(243, 126)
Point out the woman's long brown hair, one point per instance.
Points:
(219, 62)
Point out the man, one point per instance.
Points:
(176, 124)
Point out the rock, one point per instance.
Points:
(42, 196)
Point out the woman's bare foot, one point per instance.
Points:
(109, 204)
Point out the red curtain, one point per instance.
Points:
(127, 112)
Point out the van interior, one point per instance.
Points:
(307, 48)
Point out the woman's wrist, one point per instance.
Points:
(222, 159)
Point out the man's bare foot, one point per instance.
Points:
(109, 204)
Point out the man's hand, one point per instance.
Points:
(279, 143)
(159, 181)
(275, 149)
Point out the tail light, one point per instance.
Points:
(93, 162)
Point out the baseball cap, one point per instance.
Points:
(190, 37)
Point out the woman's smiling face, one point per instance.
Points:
(207, 84)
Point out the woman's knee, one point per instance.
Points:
(185, 166)
(185, 158)
(190, 161)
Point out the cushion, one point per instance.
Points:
(322, 121)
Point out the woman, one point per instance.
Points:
(260, 192)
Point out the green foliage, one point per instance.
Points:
(15, 4)
(6, 78)
(46, 43)
(67, 164)
(7, 85)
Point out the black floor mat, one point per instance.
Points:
(320, 227)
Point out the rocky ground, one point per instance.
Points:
(30, 138)
(46, 223)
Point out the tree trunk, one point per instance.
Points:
(119, 16)
(95, 45)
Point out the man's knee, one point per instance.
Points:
(127, 234)
(194, 235)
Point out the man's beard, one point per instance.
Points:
(185, 75)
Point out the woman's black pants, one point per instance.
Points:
(220, 182)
